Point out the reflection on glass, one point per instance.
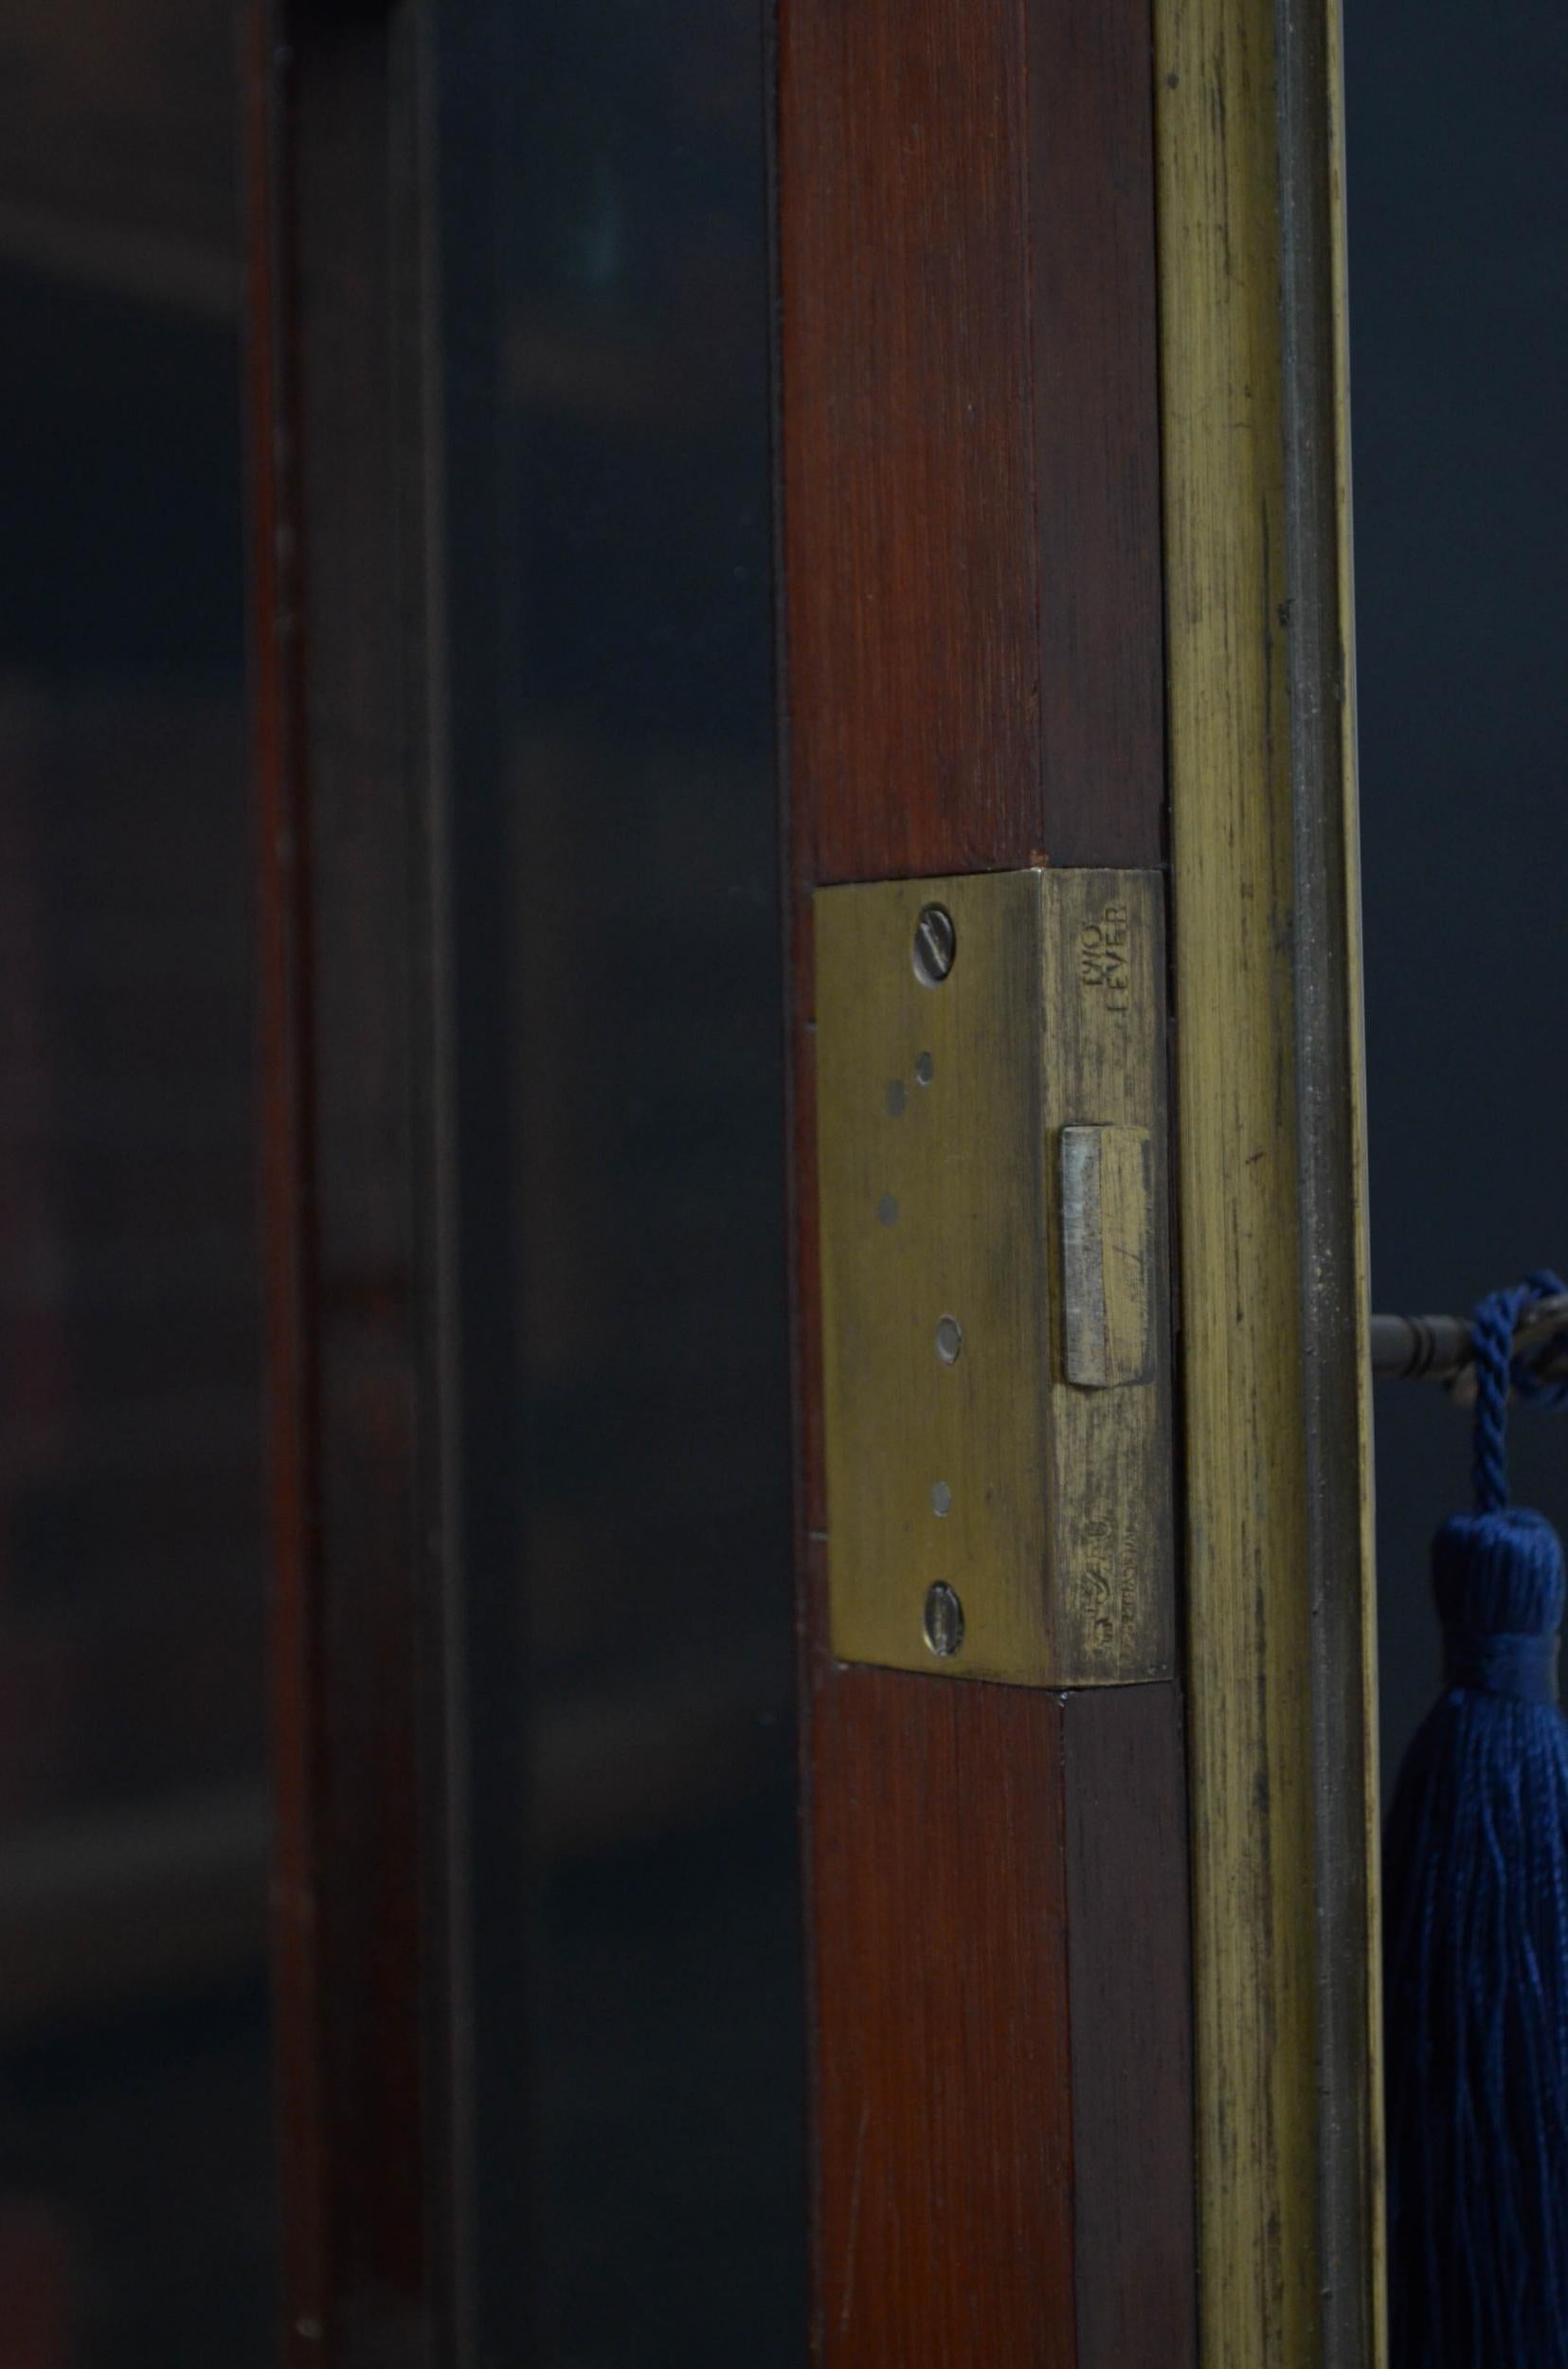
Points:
(136, 2180)
(635, 1885)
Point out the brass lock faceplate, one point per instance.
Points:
(990, 1084)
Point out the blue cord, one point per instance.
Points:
(1476, 1918)
(1498, 1371)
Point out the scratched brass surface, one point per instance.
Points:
(1044, 1503)
(1108, 1250)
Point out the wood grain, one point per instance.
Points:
(971, 588)
(1124, 1786)
(970, 433)
(1094, 352)
(945, 2059)
(1003, 2068)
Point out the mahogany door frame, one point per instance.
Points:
(1063, 556)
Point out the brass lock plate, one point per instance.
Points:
(991, 1128)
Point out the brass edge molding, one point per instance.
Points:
(1375, 2136)
(1270, 1142)
(1351, 893)
(1330, 1095)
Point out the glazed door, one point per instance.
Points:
(814, 1161)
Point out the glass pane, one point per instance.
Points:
(1455, 211)
(632, 1859)
(137, 2214)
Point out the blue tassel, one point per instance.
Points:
(1475, 1877)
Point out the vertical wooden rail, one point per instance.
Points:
(971, 587)
(1266, 921)
(339, 670)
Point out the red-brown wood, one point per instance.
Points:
(903, 248)
(998, 1888)
(1123, 1790)
(969, 434)
(944, 2023)
(1092, 310)
(973, 680)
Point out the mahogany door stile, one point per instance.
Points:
(970, 435)
(972, 600)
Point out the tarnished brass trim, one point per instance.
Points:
(996, 1508)
(1266, 928)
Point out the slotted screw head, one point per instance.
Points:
(944, 1621)
(935, 944)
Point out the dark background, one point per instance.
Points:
(637, 1942)
(137, 2193)
(1456, 155)
(628, 1745)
